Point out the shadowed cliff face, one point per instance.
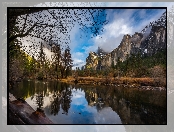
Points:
(149, 42)
(155, 41)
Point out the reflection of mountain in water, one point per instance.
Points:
(133, 106)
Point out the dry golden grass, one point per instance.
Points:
(137, 80)
(123, 80)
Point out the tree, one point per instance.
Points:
(24, 22)
(66, 63)
(41, 62)
(29, 65)
(66, 99)
(16, 63)
(56, 58)
(45, 23)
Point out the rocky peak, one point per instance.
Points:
(92, 60)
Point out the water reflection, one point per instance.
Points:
(75, 104)
(39, 100)
(59, 96)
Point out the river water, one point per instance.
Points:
(76, 104)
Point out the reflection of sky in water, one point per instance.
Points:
(89, 113)
(79, 112)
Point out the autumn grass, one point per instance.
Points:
(145, 81)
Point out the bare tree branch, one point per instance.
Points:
(22, 35)
(24, 24)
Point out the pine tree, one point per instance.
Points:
(41, 62)
(56, 58)
(66, 63)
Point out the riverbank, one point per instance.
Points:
(20, 112)
(137, 82)
(145, 83)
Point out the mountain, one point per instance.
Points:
(95, 58)
(151, 40)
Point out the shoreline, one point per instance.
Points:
(134, 82)
(129, 82)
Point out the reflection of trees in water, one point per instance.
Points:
(24, 89)
(61, 96)
(55, 105)
(99, 106)
(66, 99)
(40, 92)
(39, 100)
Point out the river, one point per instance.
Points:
(87, 104)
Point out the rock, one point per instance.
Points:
(22, 100)
(26, 114)
(11, 97)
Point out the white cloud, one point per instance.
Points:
(113, 34)
(48, 53)
(78, 59)
(78, 94)
(107, 115)
(88, 49)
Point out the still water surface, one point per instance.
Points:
(76, 104)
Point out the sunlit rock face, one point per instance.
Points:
(92, 60)
(149, 42)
